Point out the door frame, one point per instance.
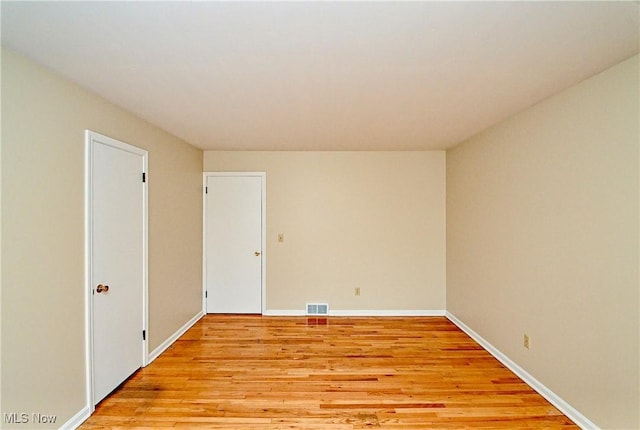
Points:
(263, 238)
(89, 138)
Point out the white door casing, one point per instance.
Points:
(234, 238)
(116, 230)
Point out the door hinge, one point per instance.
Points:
(144, 177)
(206, 190)
(144, 335)
(206, 293)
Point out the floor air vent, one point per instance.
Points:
(317, 309)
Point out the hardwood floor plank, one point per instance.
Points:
(253, 372)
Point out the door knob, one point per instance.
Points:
(257, 253)
(102, 288)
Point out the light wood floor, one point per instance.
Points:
(252, 372)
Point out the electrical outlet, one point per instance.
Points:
(526, 341)
(357, 291)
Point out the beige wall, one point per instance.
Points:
(542, 238)
(374, 220)
(43, 119)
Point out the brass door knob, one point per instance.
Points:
(102, 288)
(257, 253)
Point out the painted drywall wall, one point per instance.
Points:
(542, 239)
(369, 220)
(43, 123)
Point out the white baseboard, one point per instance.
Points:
(283, 313)
(387, 313)
(75, 421)
(167, 343)
(358, 313)
(582, 421)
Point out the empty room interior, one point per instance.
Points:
(424, 171)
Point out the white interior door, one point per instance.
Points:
(233, 241)
(118, 261)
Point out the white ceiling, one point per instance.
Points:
(324, 75)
